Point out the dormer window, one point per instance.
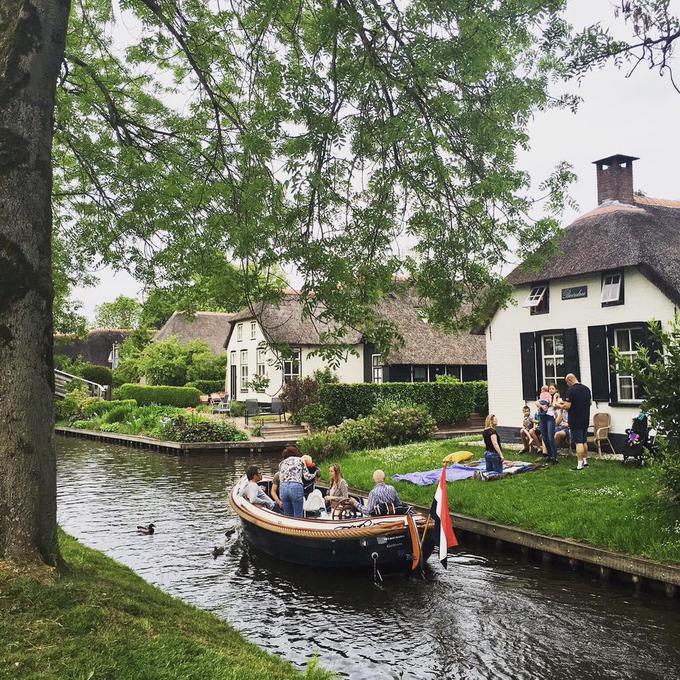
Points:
(538, 300)
(612, 289)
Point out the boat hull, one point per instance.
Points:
(391, 552)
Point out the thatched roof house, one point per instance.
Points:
(95, 348)
(618, 268)
(210, 327)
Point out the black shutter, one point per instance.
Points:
(571, 363)
(599, 362)
(529, 388)
(652, 344)
(613, 383)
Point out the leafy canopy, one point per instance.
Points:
(350, 140)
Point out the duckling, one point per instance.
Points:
(217, 551)
(146, 531)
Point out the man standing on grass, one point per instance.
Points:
(577, 402)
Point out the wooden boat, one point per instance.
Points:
(390, 543)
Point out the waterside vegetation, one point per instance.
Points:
(609, 505)
(95, 618)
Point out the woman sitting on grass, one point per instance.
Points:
(494, 452)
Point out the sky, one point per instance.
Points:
(635, 116)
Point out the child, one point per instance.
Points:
(544, 399)
(527, 431)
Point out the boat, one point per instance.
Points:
(343, 540)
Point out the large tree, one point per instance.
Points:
(350, 139)
(32, 36)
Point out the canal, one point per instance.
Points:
(491, 615)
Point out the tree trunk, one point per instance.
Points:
(32, 38)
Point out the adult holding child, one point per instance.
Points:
(548, 401)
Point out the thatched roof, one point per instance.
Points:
(210, 327)
(616, 235)
(423, 343)
(283, 324)
(94, 349)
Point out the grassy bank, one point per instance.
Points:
(608, 505)
(100, 620)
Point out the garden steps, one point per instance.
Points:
(282, 431)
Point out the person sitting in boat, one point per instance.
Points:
(338, 490)
(308, 485)
(253, 492)
(381, 495)
(293, 474)
(276, 483)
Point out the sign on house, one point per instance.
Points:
(574, 292)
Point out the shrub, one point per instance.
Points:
(126, 373)
(206, 366)
(186, 428)
(298, 393)
(237, 409)
(316, 415)
(149, 419)
(448, 403)
(71, 406)
(323, 445)
(99, 374)
(98, 407)
(119, 413)
(110, 427)
(324, 376)
(159, 394)
(83, 424)
(207, 386)
(361, 434)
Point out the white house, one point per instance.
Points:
(619, 268)
(426, 352)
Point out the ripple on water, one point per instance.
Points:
(489, 616)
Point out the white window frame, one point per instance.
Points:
(253, 330)
(632, 351)
(536, 295)
(261, 368)
(239, 332)
(377, 368)
(554, 379)
(244, 370)
(290, 363)
(611, 288)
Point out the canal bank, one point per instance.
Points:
(492, 614)
(98, 619)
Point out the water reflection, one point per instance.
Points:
(489, 616)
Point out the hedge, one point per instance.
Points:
(102, 375)
(164, 395)
(481, 397)
(448, 403)
(207, 386)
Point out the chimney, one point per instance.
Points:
(615, 179)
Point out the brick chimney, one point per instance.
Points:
(615, 179)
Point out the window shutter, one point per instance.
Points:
(599, 362)
(529, 389)
(652, 344)
(571, 362)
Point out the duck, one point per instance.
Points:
(146, 531)
(217, 551)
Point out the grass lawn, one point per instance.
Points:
(608, 505)
(100, 620)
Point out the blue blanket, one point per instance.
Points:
(457, 472)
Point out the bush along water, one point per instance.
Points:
(188, 428)
(448, 403)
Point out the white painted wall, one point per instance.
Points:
(351, 370)
(643, 302)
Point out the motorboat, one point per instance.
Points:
(342, 539)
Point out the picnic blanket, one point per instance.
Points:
(459, 471)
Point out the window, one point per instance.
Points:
(552, 346)
(239, 332)
(244, 370)
(261, 363)
(291, 366)
(420, 374)
(612, 289)
(538, 300)
(376, 363)
(232, 358)
(627, 341)
(253, 330)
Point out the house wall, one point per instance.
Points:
(643, 301)
(350, 370)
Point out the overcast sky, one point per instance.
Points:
(636, 116)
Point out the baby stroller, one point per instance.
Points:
(640, 438)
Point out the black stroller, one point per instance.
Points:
(640, 438)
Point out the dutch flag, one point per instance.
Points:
(443, 529)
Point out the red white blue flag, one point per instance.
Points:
(443, 529)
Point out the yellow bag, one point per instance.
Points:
(457, 457)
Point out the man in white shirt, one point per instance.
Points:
(252, 491)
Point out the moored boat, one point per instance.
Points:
(390, 543)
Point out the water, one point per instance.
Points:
(490, 615)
